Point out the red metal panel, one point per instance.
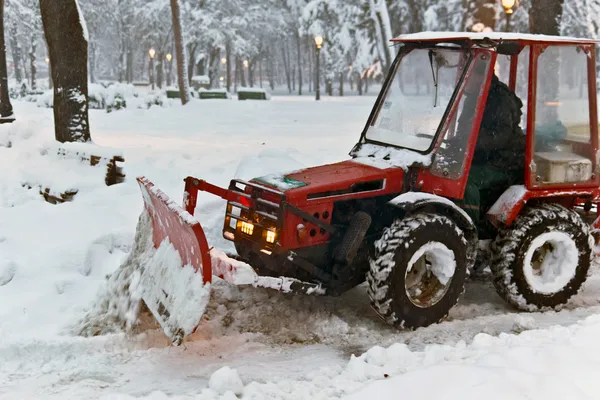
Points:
(514, 62)
(507, 209)
(531, 96)
(171, 222)
(593, 95)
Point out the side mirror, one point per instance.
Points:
(509, 48)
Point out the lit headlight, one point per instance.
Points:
(270, 236)
(247, 228)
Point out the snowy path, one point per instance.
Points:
(56, 258)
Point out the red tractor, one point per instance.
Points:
(389, 214)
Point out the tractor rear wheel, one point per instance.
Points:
(542, 259)
(418, 271)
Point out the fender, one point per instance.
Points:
(415, 201)
(508, 207)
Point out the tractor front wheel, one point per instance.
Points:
(542, 259)
(418, 271)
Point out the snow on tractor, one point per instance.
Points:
(396, 214)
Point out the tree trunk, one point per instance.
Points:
(32, 67)
(310, 65)
(544, 16)
(342, 84)
(240, 67)
(129, 70)
(299, 60)
(270, 72)
(293, 77)
(92, 62)
(379, 39)
(184, 88)
(251, 72)
(286, 66)
(192, 62)
(260, 72)
(16, 51)
(213, 70)
(66, 35)
(236, 77)
(6, 110)
(159, 70)
(24, 64)
(228, 65)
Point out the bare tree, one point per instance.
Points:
(184, 88)
(67, 38)
(6, 110)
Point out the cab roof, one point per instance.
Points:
(486, 36)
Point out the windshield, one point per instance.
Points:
(417, 98)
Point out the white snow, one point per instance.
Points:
(418, 197)
(226, 380)
(442, 259)
(389, 157)
(558, 266)
(491, 35)
(86, 34)
(281, 346)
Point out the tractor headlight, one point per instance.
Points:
(270, 236)
(246, 228)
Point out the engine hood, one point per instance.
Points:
(328, 180)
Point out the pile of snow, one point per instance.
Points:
(118, 303)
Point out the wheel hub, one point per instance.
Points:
(429, 274)
(550, 262)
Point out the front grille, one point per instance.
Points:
(260, 206)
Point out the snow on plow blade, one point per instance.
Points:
(176, 279)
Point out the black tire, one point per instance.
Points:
(389, 266)
(513, 274)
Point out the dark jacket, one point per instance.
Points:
(501, 141)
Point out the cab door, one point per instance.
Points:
(562, 129)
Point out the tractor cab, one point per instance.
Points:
(434, 99)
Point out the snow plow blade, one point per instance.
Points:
(176, 279)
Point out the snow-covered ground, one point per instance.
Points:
(253, 343)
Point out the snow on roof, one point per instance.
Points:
(447, 36)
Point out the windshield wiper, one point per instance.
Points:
(435, 76)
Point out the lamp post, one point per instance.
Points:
(509, 8)
(318, 43)
(152, 53)
(169, 58)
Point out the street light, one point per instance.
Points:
(246, 64)
(223, 60)
(319, 44)
(509, 8)
(152, 53)
(169, 57)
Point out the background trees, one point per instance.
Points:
(268, 42)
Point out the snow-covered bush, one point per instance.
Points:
(96, 97)
(153, 99)
(118, 103)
